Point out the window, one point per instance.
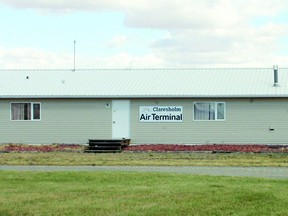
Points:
(25, 111)
(209, 111)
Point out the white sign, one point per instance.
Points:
(160, 113)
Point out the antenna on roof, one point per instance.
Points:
(74, 68)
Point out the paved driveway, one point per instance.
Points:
(263, 172)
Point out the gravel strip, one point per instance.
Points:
(262, 172)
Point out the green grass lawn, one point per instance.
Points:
(121, 193)
(145, 159)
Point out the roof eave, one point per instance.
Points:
(137, 96)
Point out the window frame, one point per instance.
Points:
(31, 111)
(216, 111)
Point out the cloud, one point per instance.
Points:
(117, 41)
(185, 14)
(125, 60)
(199, 33)
(245, 46)
(31, 58)
(60, 5)
(166, 14)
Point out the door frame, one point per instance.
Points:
(120, 112)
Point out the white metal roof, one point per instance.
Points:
(137, 83)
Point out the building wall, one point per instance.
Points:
(62, 121)
(77, 120)
(247, 122)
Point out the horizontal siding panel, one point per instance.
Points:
(62, 121)
(77, 120)
(247, 122)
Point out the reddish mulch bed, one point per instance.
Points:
(149, 148)
(40, 148)
(213, 148)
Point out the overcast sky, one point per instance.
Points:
(143, 33)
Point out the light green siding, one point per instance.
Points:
(77, 120)
(247, 122)
(62, 121)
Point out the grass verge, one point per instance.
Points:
(145, 159)
(113, 193)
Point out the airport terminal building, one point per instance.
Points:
(147, 106)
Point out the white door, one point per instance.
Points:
(120, 119)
